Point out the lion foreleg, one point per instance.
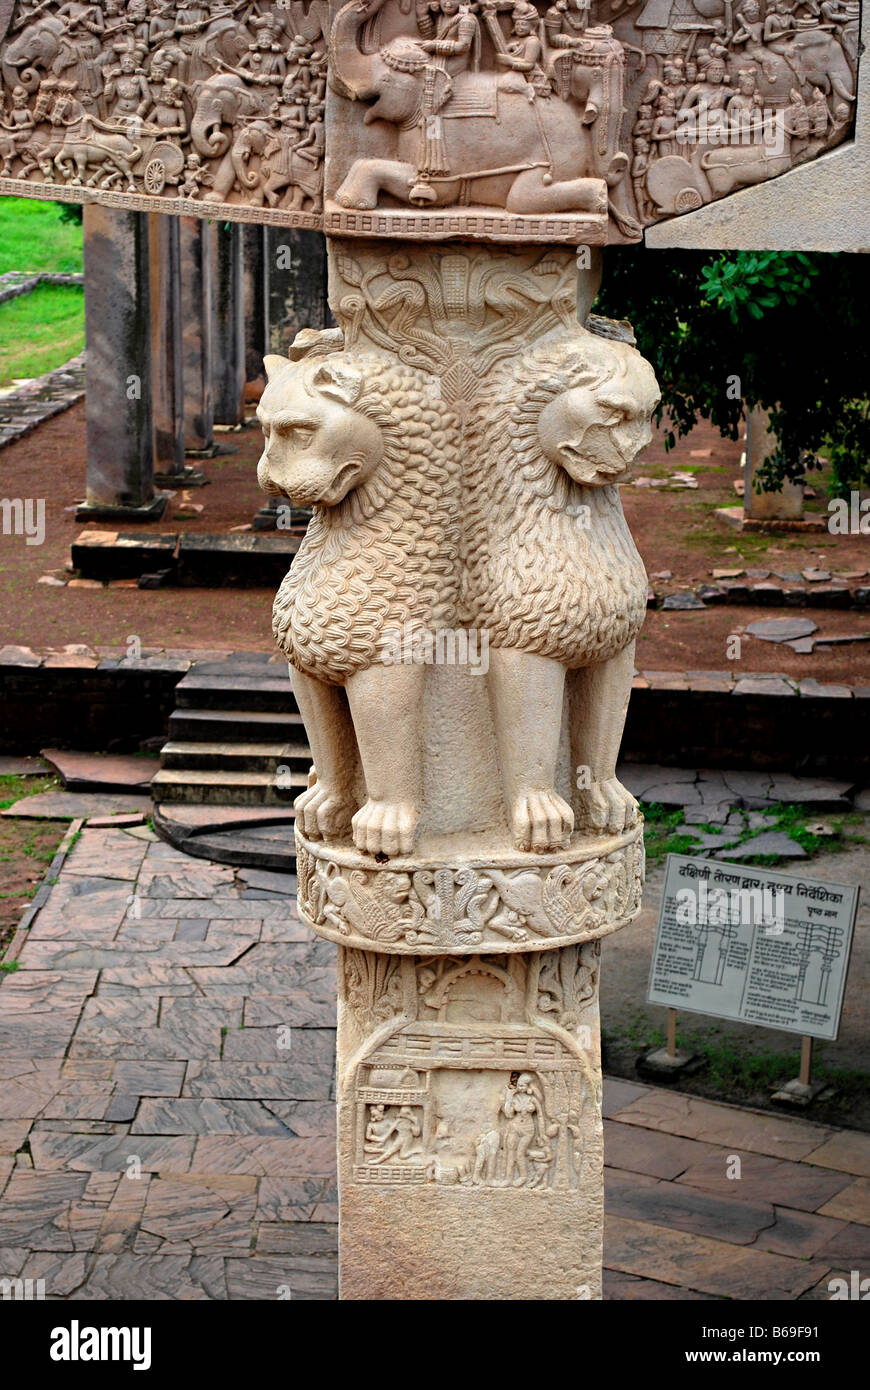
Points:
(326, 808)
(599, 697)
(526, 693)
(386, 703)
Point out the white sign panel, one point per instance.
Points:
(754, 945)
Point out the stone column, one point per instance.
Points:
(297, 284)
(296, 278)
(255, 289)
(229, 325)
(120, 464)
(170, 469)
(460, 623)
(197, 336)
(785, 505)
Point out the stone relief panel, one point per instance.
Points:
(574, 121)
(193, 106)
(477, 1079)
(579, 121)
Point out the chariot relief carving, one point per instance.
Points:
(579, 121)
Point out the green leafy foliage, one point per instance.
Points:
(783, 330)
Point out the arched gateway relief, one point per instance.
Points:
(500, 119)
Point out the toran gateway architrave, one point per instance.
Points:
(460, 618)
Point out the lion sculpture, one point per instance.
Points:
(511, 524)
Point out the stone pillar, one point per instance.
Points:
(460, 621)
(120, 464)
(297, 284)
(785, 505)
(295, 279)
(255, 289)
(229, 325)
(197, 331)
(166, 373)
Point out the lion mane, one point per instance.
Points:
(533, 576)
(386, 557)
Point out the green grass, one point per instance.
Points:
(34, 236)
(40, 330)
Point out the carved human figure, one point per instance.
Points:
(128, 91)
(523, 1111)
(19, 122)
(566, 23)
(639, 170)
(167, 114)
(522, 56)
(405, 1130)
(745, 106)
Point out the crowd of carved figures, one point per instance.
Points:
(669, 102)
(681, 101)
(199, 99)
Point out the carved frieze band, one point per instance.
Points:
(513, 906)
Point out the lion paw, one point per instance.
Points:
(323, 813)
(385, 827)
(608, 807)
(540, 820)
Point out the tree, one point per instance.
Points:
(784, 330)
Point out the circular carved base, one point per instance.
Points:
(501, 902)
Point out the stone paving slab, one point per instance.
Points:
(159, 1140)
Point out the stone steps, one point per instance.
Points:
(223, 788)
(241, 690)
(235, 757)
(236, 739)
(229, 725)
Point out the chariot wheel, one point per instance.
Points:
(155, 176)
(688, 200)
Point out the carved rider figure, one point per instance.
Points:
(566, 23)
(454, 49)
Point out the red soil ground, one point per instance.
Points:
(674, 530)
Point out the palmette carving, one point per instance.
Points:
(469, 1076)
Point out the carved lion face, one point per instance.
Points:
(318, 447)
(596, 430)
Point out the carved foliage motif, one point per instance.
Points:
(470, 909)
(183, 100)
(454, 313)
(483, 1080)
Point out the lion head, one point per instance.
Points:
(319, 445)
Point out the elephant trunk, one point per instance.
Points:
(352, 72)
(246, 177)
(19, 76)
(208, 138)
